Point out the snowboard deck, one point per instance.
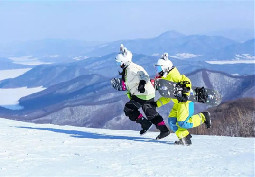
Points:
(197, 94)
(118, 84)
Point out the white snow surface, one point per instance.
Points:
(49, 150)
(9, 98)
(12, 73)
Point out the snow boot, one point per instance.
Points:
(179, 142)
(184, 141)
(208, 121)
(164, 131)
(145, 124)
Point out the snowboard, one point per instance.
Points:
(118, 84)
(197, 94)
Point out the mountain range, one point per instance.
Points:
(171, 42)
(203, 47)
(48, 75)
(83, 100)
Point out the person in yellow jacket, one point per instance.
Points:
(182, 115)
(141, 94)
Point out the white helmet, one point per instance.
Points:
(124, 57)
(164, 64)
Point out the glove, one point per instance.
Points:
(184, 86)
(181, 97)
(123, 86)
(141, 85)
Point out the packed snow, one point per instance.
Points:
(49, 150)
(12, 73)
(10, 97)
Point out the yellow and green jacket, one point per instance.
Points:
(173, 76)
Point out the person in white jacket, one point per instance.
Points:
(141, 94)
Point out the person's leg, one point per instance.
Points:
(184, 111)
(131, 110)
(172, 118)
(187, 118)
(155, 118)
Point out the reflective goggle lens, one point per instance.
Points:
(158, 68)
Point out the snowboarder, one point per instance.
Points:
(182, 115)
(141, 93)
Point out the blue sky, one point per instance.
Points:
(114, 20)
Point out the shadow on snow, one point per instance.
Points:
(90, 135)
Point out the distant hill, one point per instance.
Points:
(48, 75)
(171, 42)
(233, 118)
(202, 47)
(231, 51)
(74, 90)
(231, 87)
(45, 75)
(239, 35)
(6, 64)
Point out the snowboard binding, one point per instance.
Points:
(201, 94)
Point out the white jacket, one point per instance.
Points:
(134, 73)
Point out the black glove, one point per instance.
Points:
(141, 85)
(183, 86)
(181, 97)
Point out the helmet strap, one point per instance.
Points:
(122, 66)
(170, 69)
(161, 73)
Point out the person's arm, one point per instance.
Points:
(162, 101)
(144, 78)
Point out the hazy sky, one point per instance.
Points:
(114, 20)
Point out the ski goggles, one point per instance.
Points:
(158, 68)
(118, 63)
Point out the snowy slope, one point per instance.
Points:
(49, 150)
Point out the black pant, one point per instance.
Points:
(131, 110)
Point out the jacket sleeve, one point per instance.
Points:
(143, 76)
(178, 78)
(162, 101)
